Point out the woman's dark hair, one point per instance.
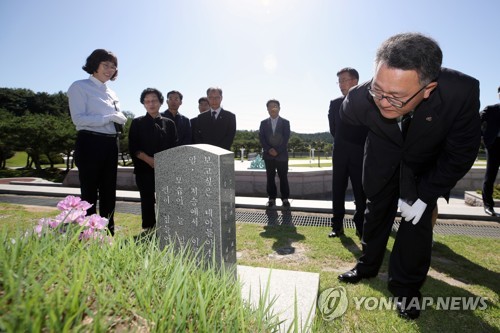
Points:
(95, 59)
(152, 91)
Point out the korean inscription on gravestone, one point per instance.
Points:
(195, 200)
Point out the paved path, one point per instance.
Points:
(455, 217)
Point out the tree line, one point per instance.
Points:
(40, 124)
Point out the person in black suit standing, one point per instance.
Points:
(347, 157)
(274, 133)
(490, 128)
(203, 106)
(148, 135)
(217, 127)
(182, 123)
(424, 135)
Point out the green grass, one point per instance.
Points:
(56, 283)
(461, 266)
(18, 160)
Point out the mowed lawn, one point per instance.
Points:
(462, 267)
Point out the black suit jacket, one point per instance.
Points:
(150, 136)
(490, 123)
(219, 133)
(441, 144)
(342, 131)
(278, 140)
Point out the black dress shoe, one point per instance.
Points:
(407, 313)
(337, 233)
(271, 203)
(490, 211)
(352, 276)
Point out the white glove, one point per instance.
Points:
(116, 117)
(413, 212)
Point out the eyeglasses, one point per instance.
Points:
(108, 66)
(393, 101)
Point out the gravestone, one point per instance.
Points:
(195, 197)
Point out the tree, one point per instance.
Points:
(6, 144)
(15, 101)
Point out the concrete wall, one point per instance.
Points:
(304, 184)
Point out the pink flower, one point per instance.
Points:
(72, 202)
(87, 234)
(74, 211)
(53, 223)
(72, 216)
(38, 229)
(96, 222)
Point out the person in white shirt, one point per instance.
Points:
(95, 111)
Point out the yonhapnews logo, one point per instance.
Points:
(332, 303)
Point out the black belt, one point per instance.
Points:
(98, 134)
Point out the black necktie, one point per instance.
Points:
(405, 124)
(213, 116)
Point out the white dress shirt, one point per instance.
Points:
(90, 100)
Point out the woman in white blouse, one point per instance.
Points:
(95, 111)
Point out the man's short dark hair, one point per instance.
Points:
(152, 91)
(412, 51)
(202, 99)
(174, 92)
(352, 72)
(272, 101)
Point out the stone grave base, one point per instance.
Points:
(287, 286)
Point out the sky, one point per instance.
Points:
(255, 50)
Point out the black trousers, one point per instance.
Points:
(492, 165)
(411, 254)
(282, 167)
(348, 165)
(146, 184)
(97, 160)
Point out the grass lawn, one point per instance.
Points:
(461, 266)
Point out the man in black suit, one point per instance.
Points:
(203, 106)
(347, 157)
(424, 135)
(490, 128)
(274, 133)
(217, 127)
(182, 123)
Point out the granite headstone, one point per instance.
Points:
(195, 194)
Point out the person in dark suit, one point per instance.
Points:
(424, 135)
(490, 128)
(148, 135)
(182, 123)
(217, 127)
(347, 157)
(274, 133)
(203, 106)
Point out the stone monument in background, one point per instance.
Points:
(195, 195)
